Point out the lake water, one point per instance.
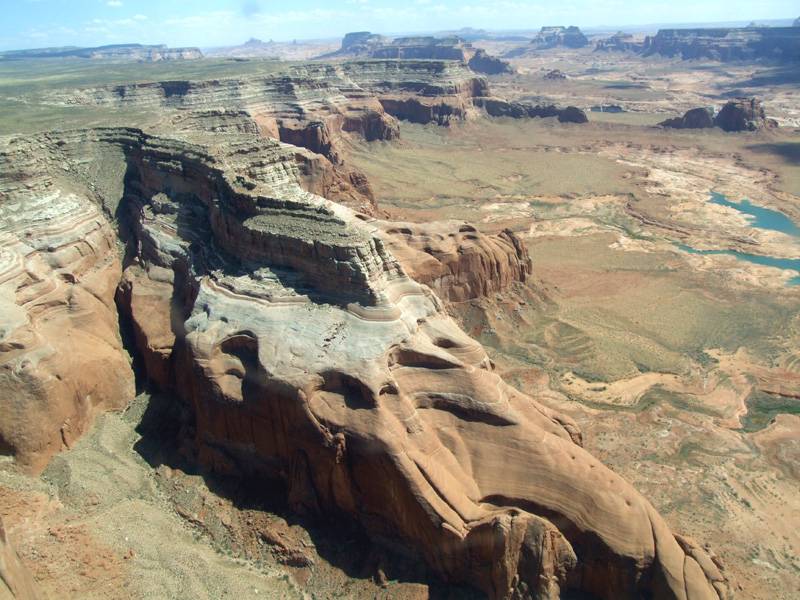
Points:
(762, 218)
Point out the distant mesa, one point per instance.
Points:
(740, 114)
(553, 37)
(727, 44)
(620, 42)
(796, 22)
(135, 52)
(364, 44)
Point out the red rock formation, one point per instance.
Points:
(374, 406)
(457, 261)
(61, 357)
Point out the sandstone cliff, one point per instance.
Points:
(306, 354)
(61, 357)
(455, 260)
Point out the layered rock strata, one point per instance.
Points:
(457, 261)
(306, 354)
(61, 356)
(727, 44)
(311, 107)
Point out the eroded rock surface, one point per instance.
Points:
(16, 583)
(307, 354)
(456, 260)
(61, 357)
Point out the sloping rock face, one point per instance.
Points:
(696, 118)
(496, 107)
(16, 583)
(306, 354)
(725, 44)
(743, 114)
(457, 261)
(553, 37)
(61, 357)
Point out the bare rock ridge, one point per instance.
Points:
(16, 583)
(137, 52)
(740, 114)
(305, 353)
(364, 44)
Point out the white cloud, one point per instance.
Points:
(114, 3)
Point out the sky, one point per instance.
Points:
(207, 23)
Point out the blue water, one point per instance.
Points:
(762, 218)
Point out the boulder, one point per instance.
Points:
(696, 118)
(743, 114)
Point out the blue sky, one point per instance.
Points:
(37, 23)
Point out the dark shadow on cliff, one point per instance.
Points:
(164, 425)
(788, 151)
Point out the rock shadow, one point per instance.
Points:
(163, 428)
